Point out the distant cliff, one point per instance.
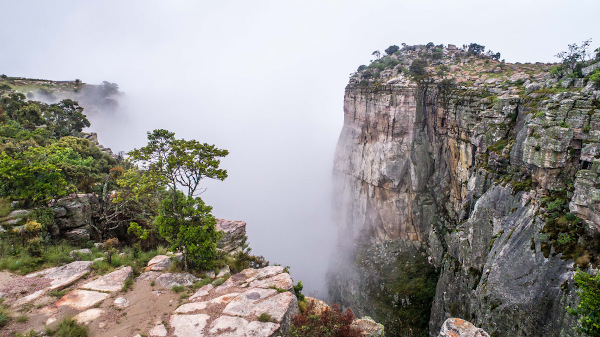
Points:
(466, 187)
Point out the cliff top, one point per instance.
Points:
(471, 67)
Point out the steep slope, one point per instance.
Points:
(454, 175)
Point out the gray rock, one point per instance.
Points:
(78, 235)
(456, 327)
(590, 69)
(121, 302)
(111, 282)
(74, 253)
(169, 280)
(234, 235)
(63, 276)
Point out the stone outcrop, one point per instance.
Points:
(73, 217)
(462, 186)
(456, 327)
(234, 235)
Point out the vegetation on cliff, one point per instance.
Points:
(502, 193)
(134, 204)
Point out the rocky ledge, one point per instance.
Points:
(254, 302)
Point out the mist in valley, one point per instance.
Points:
(263, 79)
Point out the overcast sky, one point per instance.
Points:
(263, 79)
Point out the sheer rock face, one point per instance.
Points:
(457, 178)
(233, 237)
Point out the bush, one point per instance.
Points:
(392, 49)
(595, 78)
(68, 327)
(587, 311)
(330, 323)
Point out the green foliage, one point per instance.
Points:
(298, 291)
(588, 310)
(476, 49)
(183, 220)
(190, 228)
(68, 327)
(4, 314)
(264, 317)
(177, 289)
(201, 283)
(127, 285)
(330, 323)
(572, 60)
(417, 69)
(391, 49)
(595, 78)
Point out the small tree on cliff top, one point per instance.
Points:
(183, 220)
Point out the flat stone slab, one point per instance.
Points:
(169, 280)
(233, 308)
(64, 276)
(159, 263)
(236, 326)
(110, 282)
(188, 325)
(243, 304)
(158, 331)
(280, 281)
(201, 292)
(88, 316)
(81, 299)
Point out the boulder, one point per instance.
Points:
(456, 327)
(75, 252)
(64, 276)
(169, 280)
(110, 282)
(234, 235)
(368, 327)
(81, 299)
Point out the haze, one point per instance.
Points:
(263, 79)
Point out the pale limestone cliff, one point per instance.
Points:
(484, 186)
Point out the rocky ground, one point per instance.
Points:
(254, 302)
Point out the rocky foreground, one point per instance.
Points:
(254, 302)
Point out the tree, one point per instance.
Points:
(573, 59)
(475, 49)
(392, 49)
(417, 69)
(65, 118)
(377, 54)
(183, 220)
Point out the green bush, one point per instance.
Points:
(587, 311)
(68, 327)
(595, 78)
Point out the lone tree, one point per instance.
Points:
(183, 220)
(392, 49)
(476, 49)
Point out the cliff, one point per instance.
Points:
(465, 187)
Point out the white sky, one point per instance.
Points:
(263, 79)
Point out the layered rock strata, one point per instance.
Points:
(473, 189)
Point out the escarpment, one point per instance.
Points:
(466, 188)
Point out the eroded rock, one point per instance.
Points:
(456, 327)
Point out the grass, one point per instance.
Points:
(4, 314)
(201, 283)
(264, 317)
(177, 289)
(68, 327)
(22, 319)
(58, 293)
(127, 285)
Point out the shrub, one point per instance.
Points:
(68, 327)
(595, 78)
(588, 288)
(177, 289)
(264, 317)
(476, 49)
(330, 323)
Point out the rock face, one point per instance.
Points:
(73, 217)
(234, 235)
(468, 192)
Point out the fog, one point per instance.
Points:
(263, 79)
